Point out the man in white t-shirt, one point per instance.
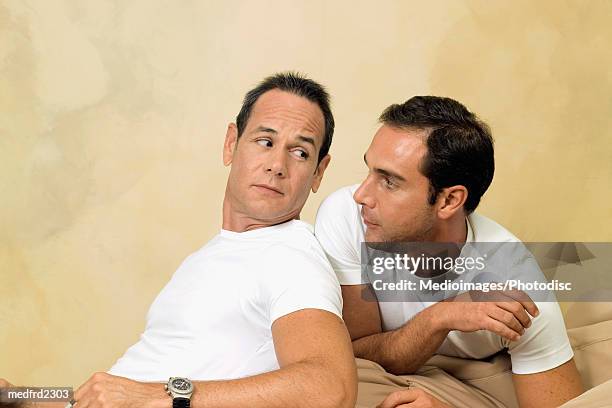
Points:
(252, 319)
(429, 164)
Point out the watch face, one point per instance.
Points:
(181, 384)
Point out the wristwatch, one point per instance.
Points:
(180, 389)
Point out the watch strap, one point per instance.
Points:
(180, 402)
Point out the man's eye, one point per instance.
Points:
(301, 153)
(388, 183)
(265, 142)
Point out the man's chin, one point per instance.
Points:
(373, 236)
(272, 217)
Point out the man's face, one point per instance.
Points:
(394, 196)
(274, 162)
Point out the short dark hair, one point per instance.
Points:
(296, 84)
(459, 145)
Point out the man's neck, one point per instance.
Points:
(237, 221)
(454, 230)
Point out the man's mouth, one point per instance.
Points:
(367, 220)
(265, 188)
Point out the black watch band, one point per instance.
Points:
(180, 402)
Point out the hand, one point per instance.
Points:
(412, 398)
(502, 312)
(22, 404)
(5, 384)
(104, 390)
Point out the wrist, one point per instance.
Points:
(437, 318)
(159, 397)
(180, 390)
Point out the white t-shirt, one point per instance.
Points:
(544, 345)
(213, 319)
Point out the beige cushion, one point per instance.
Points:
(598, 397)
(592, 346)
(578, 314)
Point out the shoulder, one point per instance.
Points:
(298, 252)
(487, 230)
(299, 240)
(295, 274)
(338, 216)
(338, 201)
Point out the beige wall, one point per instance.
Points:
(112, 116)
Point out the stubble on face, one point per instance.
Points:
(421, 230)
(402, 213)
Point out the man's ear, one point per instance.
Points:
(231, 139)
(451, 200)
(319, 172)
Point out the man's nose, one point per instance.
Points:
(363, 194)
(277, 163)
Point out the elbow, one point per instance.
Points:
(343, 391)
(398, 367)
(343, 397)
(335, 388)
(349, 399)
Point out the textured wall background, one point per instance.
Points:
(112, 117)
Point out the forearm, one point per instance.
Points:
(39, 405)
(404, 350)
(304, 384)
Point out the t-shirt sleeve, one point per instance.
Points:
(338, 229)
(544, 345)
(296, 280)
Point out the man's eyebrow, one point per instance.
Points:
(389, 174)
(265, 129)
(384, 172)
(307, 139)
